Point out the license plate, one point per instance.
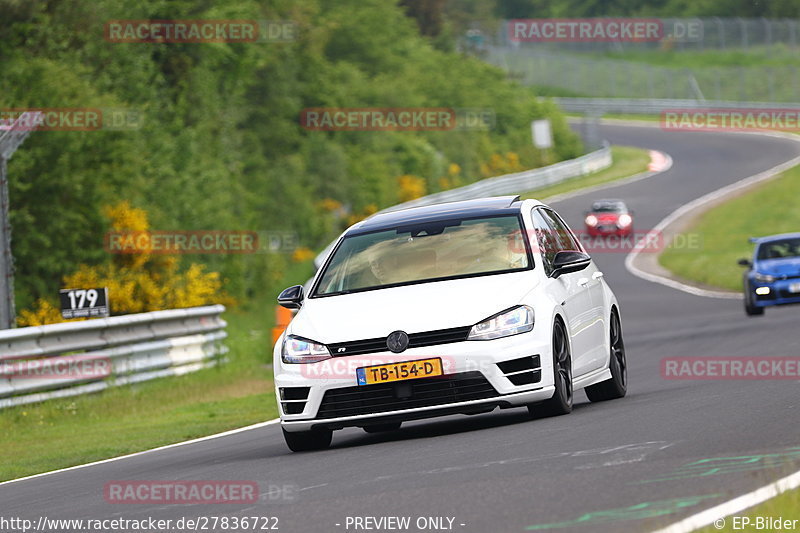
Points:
(794, 287)
(422, 368)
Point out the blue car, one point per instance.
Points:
(773, 276)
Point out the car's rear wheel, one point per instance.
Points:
(750, 308)
(561, 402)
(304, 441)
(617, 385)
(380, 428)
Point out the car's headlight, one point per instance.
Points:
(591, 220)
(624, 221)
(511, 322)
(764, 277)
(300, 350)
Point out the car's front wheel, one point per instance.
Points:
(750, 308)
(304, 441)
(617, 385)
(561, 402)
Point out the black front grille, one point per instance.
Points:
(410, 394)
(786, 293)
(294, 393)
(415, 340)
(518, 365)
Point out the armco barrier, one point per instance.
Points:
(138, 347)
(655, 106)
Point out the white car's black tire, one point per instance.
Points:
(561, 402)
(616, 386)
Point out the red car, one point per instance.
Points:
(609, 217)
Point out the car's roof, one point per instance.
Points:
(769, 238)
(606, 201)
(496, 205)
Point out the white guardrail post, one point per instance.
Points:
(59, 360)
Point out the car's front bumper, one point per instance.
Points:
(404, 415)
(780, 293)
(460, 360)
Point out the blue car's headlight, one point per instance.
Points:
(299, 350)
(511, 322)
(766, 278)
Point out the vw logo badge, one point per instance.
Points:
(397, 341)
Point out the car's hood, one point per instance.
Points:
(780, 267)
(412, 308)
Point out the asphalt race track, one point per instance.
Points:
(625, 465)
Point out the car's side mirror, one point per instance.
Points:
(567, 262)
(631, 212)
(291, 298)
(745, 263)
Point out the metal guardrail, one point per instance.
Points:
(506, 184)
(133, 348)
(654, 106)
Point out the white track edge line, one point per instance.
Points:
(699, 202)
(738, 504)
(136, 454)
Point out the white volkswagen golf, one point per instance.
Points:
(452, 308)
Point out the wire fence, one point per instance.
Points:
(599, 77)
(714, 33)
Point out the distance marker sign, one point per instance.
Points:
(84, 303)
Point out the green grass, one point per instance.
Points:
(61, 433)
(757, 74)
(724, 231)
(627, 162)
(785, 506)
(757, 56)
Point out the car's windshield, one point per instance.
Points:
(425, 252)
(608, 207)
(779, 249)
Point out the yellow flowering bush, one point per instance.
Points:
(500, 164)
(301, 254)
(329, 204)
(411, 187)
(368, 211)
(136, 282)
